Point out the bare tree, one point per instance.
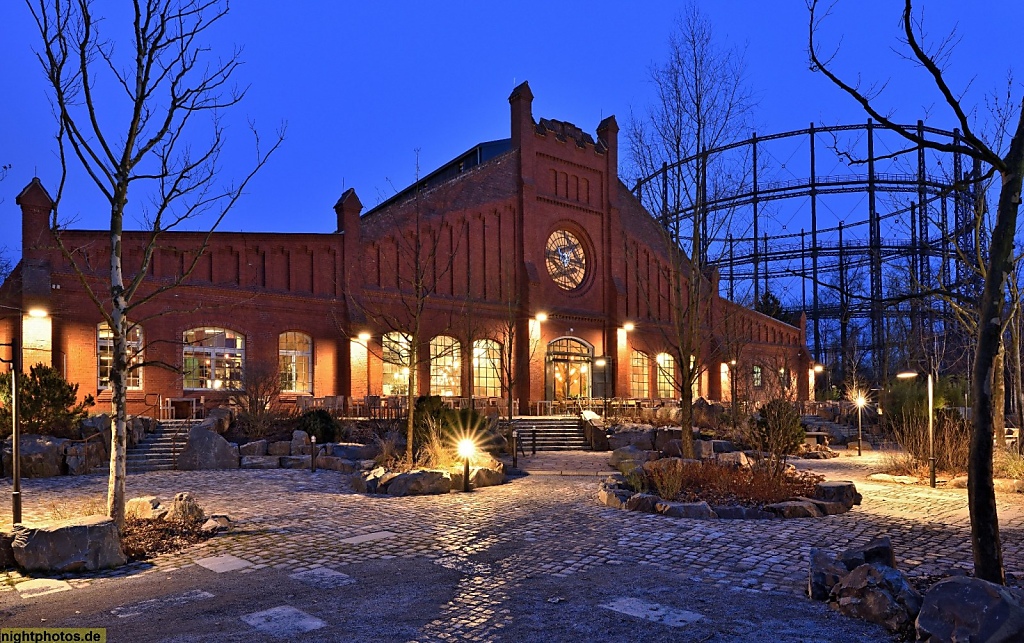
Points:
(1006, 160)
(703, 102)
(142, 142)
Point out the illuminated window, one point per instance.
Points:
(486, 368)
(757, 377)
(396, 364)
(639, 375)
(666, 376)
(445, 366)
(105, 355)
(295, 359)
(212, 358)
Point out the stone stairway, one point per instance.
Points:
(553, 433)
(158, 450)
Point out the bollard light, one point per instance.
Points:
(466, 451)
(861, 402)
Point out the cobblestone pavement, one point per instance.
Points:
(528, 536)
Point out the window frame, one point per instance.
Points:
(666, 376)
(229, 360)
(396, 350)
(639, 375)
(445, 366)
(487, 362)
(293, 356)
(102, 342)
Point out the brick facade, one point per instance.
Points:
(477, 228)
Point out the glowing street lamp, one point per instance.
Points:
(909, 375)
(861, 402)
(466, 451)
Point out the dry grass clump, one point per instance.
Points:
(952, 444)
(65, 509)
(720, 484)
(1008, 463)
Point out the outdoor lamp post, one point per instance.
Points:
(466, 451)
(602, 363)
(860, 401)
(908, 375)
(732, 390)
(15, 363)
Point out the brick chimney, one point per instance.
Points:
(521, 101)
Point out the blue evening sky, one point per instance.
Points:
(363, 85)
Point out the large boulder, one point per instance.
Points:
(842, 491)
(260, 461)
(74, 545)
(205, 449)
(877, 593)
(145, 507)
(703, 449)
(334, 463)
(301, 444)
(613, 497)
(6, 552)
(185, 508)
(82, 457)
(794, 509)
(664, 435)
(643, 502)
(486, 476)
(664, 467)
(355, 451)
(296, 461)
(42, 456)
(259, 447)
(283, 447)
(733, 459)
(971, 609)
(420, 483)
(826, 571)
(685, 510)
(878, 551)
(630, 456)
(220, 419)
(641, 438)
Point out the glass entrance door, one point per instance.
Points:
(569, 367)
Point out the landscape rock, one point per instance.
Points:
(685, 509)
(185, 508)
(257, 448)
(722, 446)
(486, 476)
(879, 594)
(6, 552)
(643, 502)
(843, 491)
(739, 512)
(283, 447)
(356, 482)
(826, 507)
(82, 457)
(205, 449)
(98, 424)
(630, 456)
(73, 545)
(334, 463)
(794, 509)
(664, 467)
(971, 609)
(216, 524)
(219, 419)
(703, 449)
(296, 461)
(144, 507)
(261, 461)
(301, 444)
(663, 436)
(826, 571)
(734, 459)
(42, 456)
(420, 483)
(641, 439)
(613, 497)
(673, 448)
(878, 551)
(355, 451)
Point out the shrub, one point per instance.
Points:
(318, 423)
(952, 443)
(48, 403)
(257, 400)
(724, 484)
(776, 431)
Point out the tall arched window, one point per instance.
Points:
(396, 364)
(666, 376)
(486, 368)
(639, 375)
(445, 366)
(212, 358)
(105, 355)
(295, 357)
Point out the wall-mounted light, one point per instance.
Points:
(38, 313)
(364, 336)
(628, 327)
(541, 317)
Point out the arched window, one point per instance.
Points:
(295, 357)
(212, 358)
(105, 355)
(666, 376)
(486, 368)
(396, 364)
(445, 366)
(639, 375)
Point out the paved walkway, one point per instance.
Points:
(535, 559)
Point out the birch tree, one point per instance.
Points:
(1002, 157)
(154, 141)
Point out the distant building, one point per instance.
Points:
(536, 228)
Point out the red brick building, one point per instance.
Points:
(531, 242)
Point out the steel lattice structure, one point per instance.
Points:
(813, 210)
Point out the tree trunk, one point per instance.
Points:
(410, 420)
(118, 380)
(999, 396)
